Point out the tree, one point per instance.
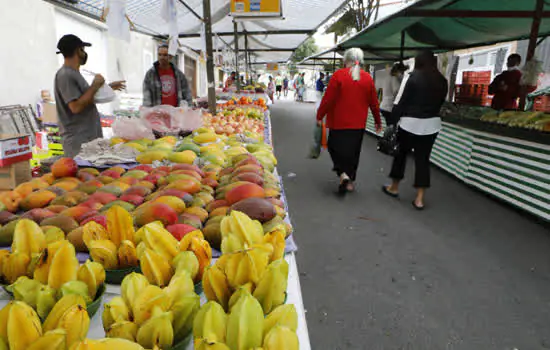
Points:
(308, 48)
(356, 15)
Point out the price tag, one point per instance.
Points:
(239, 6)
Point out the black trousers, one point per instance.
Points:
(344, 147)
(422, 146)
(387, 115)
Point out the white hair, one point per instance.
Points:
(354, 58)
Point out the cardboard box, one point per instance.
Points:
(15, 174)
(49, 113)
(14, 149)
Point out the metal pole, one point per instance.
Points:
(246, 59)
(402, 51)
(236, 30)
(535, 27)
(209, 56)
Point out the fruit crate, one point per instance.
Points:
(542, 104)
(472, 94)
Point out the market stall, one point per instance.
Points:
(502, 154)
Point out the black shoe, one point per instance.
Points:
(417, 207)
(342, 188)
(391, 194)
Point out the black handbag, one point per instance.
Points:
(388, 143)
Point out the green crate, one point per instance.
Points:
(55, 146)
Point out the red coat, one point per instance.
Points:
(506, 90)
(346, 102)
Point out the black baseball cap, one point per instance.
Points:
(69, 43)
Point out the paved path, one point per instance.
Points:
(468, 273)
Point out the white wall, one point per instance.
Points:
(27, 50)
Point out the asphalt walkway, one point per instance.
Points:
(467, 273)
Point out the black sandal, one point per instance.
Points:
(391, 194)
(342, 188)
(416, 206)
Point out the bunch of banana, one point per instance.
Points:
(28, 243)
(152, 316)
(83, 281)
(114, 247)
(66, 325)
(245, 327)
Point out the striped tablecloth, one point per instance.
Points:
(512, 170)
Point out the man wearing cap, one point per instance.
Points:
(164, 83)
(76, 110)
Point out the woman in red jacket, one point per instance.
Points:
(346, 103)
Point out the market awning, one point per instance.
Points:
(268, 40)
(327, 55)
(445, 25)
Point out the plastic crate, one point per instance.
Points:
(542, 104)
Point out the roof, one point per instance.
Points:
(267, 35)
(445, 25)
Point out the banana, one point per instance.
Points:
(93, 274)
(45, 301)
(93, 231)
(149, 298)
(280, 337)
(59, 310)
(26, 289)
(246, 266)
(28, 238)
(132, 285)
(184, 311)
(15, 266)
(277, 239)
(210, 323)
(104, 252)
(23, 326)
(120, 225)
(157, 238)
(215, 285)
(157, 331)
(123, 329)
(52, 340)
(127, 254)
(64, 266)
(76, 287)
(156, 268)
(76, 322)
(245, 324)
(270, 291)
(284, 315)
(181, 284)
(115, 311)
(186, 261)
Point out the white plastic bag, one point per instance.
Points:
(131, 129)
(171, 119)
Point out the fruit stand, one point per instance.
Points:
(182, 228)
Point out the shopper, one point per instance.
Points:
(506, 86)
(271, 89)
(78, 116)
(419, 123)
(279, 86)
(301, 86)
(320, 84)
(231, 80)
(348, 98)
(285, 86)
(390, 90)
(164, 83)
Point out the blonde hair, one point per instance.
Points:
(354, 57)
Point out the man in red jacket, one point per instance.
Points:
(346, 103)
(506, 86)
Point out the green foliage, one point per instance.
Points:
(308, 48)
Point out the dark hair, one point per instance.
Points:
(163, 46)
(322, 74)
(398, 67)
(425, 60)
(70, 53)
(515, 58)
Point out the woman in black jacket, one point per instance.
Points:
(419, 124)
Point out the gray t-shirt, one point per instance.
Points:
(80, 128)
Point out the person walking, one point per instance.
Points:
(346, 103)
(164, 83)
(279, 86)
(271, 89)
(285, 86)
(419, 124)
(390, 90)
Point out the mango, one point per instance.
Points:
(187, 146)
(103, 197)
(149, 157)
(70, 199)
(186, 157)
(201, 213)
(187, 185)
(112, 189)
(155, 212)
(65, 223)
(247, 190)
(173, 202)
(127, 206)
(64, 167)
(39, 199)
(249, 177)
(38, 215)
(137, 174)
(205, 138)
(256, 208)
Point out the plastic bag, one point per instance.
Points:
(319, 140)
(131, 129)
(166, 119)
